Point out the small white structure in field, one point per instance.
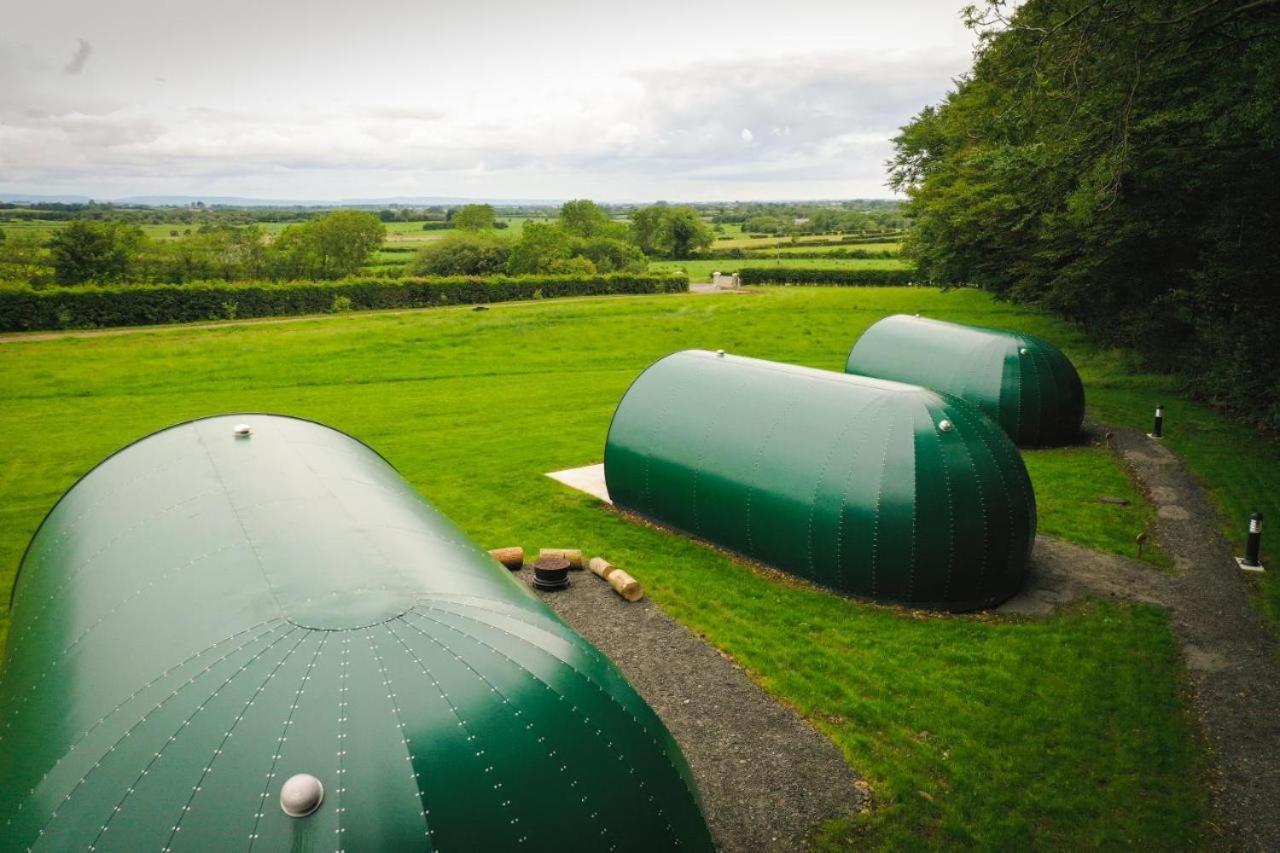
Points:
(726, 281)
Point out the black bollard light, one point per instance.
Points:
(1157, 427)
(1253, 545)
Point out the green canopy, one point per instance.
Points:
(1025, 383)
(873, 488)
(207, 615)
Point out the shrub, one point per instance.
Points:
(463, 253)
(23, 308)
(831, 277)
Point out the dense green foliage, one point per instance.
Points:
(473, 217)
(773, 217)
(334, 245)
(543, 247)
(583, 241)
(670, 231)
(1117, 161)
(23, 257)
(584, 218)
(224, 252)
(23, 309)
(463, 253)
(95, 251)
(330, 246)
(979, 732)
(825, 276)
(821, 220)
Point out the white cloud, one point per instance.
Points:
(360, 107)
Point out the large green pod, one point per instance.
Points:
(1024, 383)
(205, 616)
(873, 488)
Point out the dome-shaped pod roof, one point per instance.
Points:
(204, 617)
(1023, 382)
(872, 488)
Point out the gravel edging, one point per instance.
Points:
(766, 776)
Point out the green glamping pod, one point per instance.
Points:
(1024, 383)
(250, 633)
(871, 488)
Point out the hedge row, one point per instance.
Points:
(807, 254)
(84, 307)
(833, 277)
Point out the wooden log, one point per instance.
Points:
(573, 555)
(622, 583)
(625, 585)
(512, 558)
(600, 566)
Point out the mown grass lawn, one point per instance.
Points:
(1065, 732)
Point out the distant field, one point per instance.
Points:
(43, 229)
(397, 232)
(411, 232)
(735, 239)
(864, 247)
(700, 271)
(410, 236)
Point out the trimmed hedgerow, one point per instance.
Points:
(88, 306)
(832, 277)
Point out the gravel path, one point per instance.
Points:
(1061, 573)
(1230, 654)
(766, 776)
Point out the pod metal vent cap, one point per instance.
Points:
(301, 795)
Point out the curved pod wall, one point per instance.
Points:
(855, 484)
(1024, 383)
(203, 616)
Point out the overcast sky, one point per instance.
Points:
(674, 99)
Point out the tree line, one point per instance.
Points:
(584, 239)
(1116, 161)
(111, 252)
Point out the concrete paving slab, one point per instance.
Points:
(588, 478)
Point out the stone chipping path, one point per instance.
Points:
(767, 777)
(1230, 655)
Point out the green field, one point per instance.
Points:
(43, 229)
(409, 236)
(700, 271)
(867, 247)
(1071, 731)
(411, 233)
(397, 232)
(732, 237)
